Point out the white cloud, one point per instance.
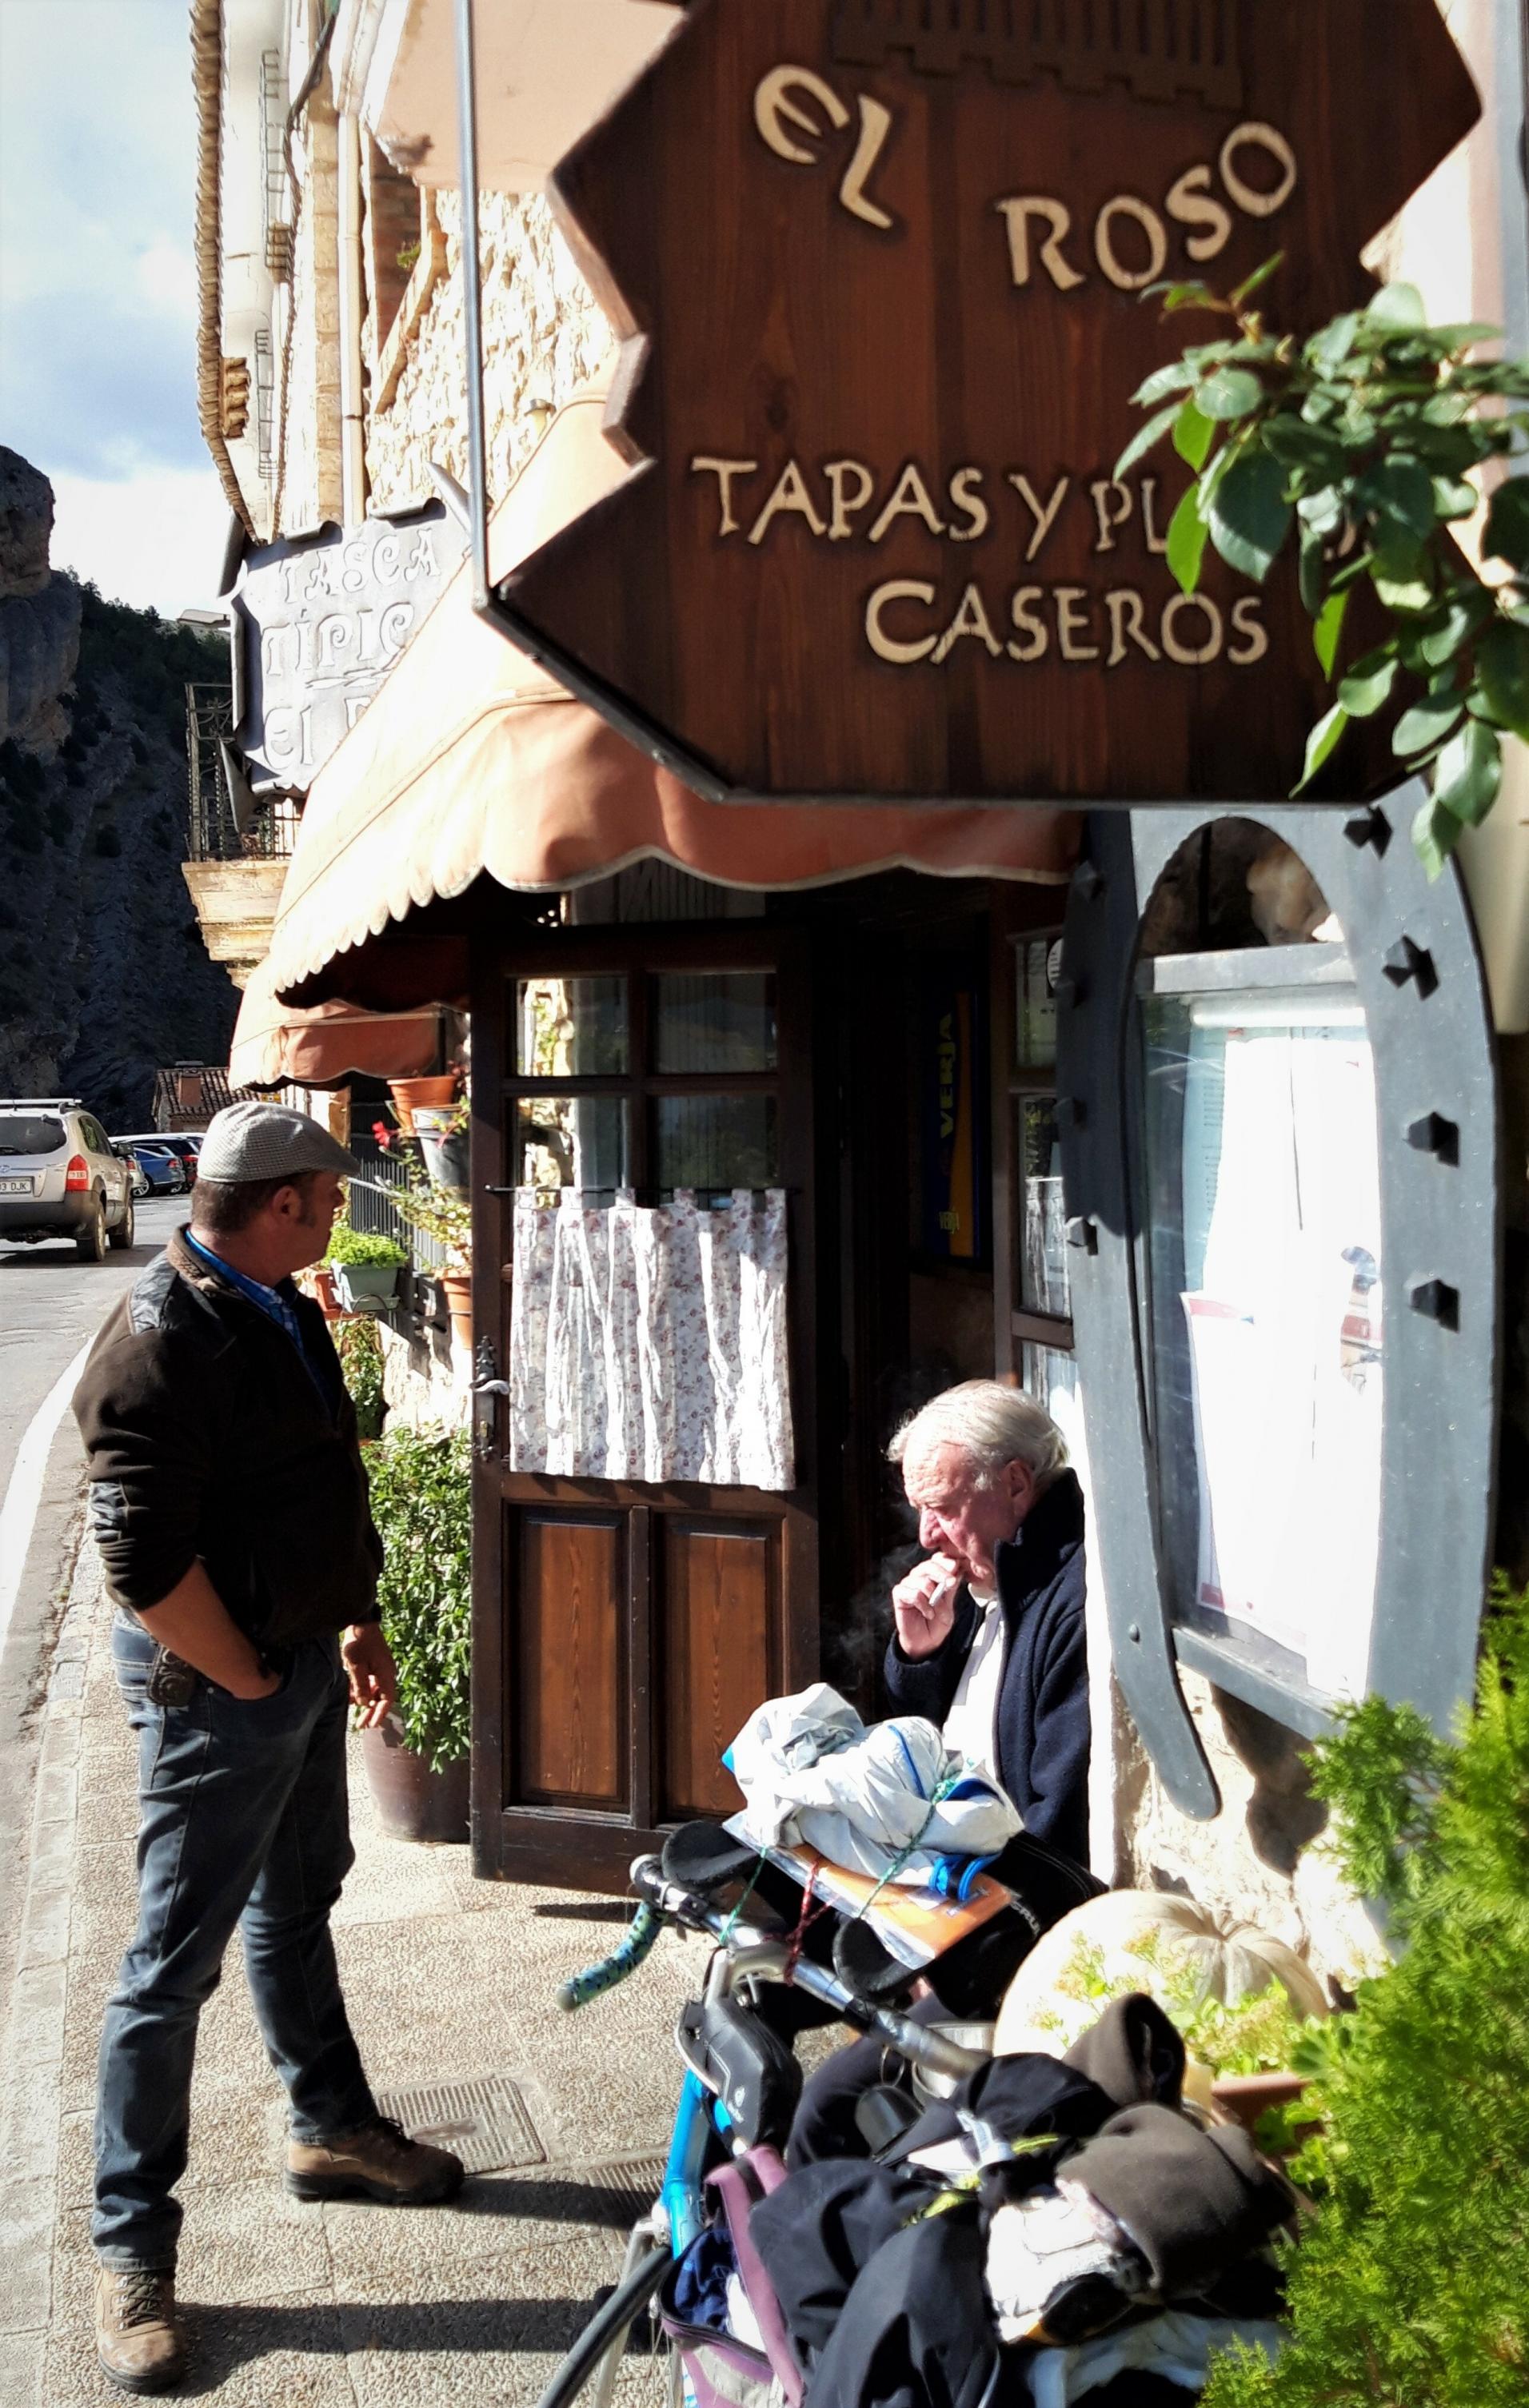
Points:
(97, 169)
(155, 539)
(165, 275)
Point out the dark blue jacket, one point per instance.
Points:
(1042, 1723)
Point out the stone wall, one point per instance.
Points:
(543, 336)
(426, 1376)
(1262, 1860)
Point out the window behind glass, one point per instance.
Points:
(31, 1133)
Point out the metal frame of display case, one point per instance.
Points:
(1412, 957)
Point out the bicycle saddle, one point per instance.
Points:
(702, 1856)
(868, 1969)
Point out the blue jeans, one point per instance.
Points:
(242, 1820)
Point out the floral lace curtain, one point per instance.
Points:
(650, 1343)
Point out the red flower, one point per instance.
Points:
(384, 1135)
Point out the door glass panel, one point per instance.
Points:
(1042, 1247)
(572, 1141)
(570, 1028)
(1049, 1374)
(1266, 1284)
(718, 1020)
(716, 1143)
(1037, 968)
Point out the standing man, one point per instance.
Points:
(229, 1503)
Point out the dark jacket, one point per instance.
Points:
(209, 1437)
(1041, 1723)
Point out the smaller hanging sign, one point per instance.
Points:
(316, 622)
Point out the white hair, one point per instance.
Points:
(992, 1425)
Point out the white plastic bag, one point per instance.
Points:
(812, 1774)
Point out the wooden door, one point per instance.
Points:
(624, 1630)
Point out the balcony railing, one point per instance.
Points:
(213, 832)
(380, 1179)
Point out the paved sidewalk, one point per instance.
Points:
(448, 1980)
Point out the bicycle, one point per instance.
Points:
(736, 2094)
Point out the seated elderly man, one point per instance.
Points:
(988, 1644)
(989, 1638)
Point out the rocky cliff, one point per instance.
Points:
(103, 975)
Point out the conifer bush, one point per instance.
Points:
(1410, 2288)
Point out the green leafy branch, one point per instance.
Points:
(1358, 444)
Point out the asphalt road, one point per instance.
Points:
(51, 1305)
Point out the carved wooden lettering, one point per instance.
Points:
(878, 267)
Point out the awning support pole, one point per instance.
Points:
(473, 304)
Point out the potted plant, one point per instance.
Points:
(365, 1267)
(1409, 2284)
(319, 1279)
(421, 1501)
(443, 1142)
(407, 1095)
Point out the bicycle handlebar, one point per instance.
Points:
(765, 1956)
(625, 1958)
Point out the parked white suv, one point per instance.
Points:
(60, 1177)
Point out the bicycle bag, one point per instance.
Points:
(722, 2371)
(750, 2067)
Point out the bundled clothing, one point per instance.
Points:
(1072, 2198)
(892, 1801)
(1041, 1720)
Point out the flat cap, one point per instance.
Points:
(254, 1140)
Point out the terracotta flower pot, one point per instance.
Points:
(325, 1294)
(414, 1801)
(406, 1093)
(458, 1288)
(1242, 2098)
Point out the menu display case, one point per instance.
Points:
(1281, 1219)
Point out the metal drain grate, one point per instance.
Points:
(484, 2121)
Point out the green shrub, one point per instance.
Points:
(1411, 2287)
(421, 1502)
(360, 1351)
(347, 1245)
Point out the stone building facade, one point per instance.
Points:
(543, 336)
(1262, 1860)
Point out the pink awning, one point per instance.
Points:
(279, 1044)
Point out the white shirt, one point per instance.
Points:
(971, 1725)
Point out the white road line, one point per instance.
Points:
(20, 1511)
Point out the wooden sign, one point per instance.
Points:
(878, 266)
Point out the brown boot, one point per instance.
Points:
(138, 2334)
(378, 2161)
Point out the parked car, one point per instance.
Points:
(166, 1170)
(186, 1148)
(141, 1183)
(60, 1177)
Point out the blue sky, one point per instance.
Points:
(98, 294)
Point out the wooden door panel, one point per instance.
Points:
(569, 1659)
(720, 1652)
